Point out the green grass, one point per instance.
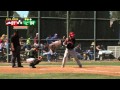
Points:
(57, 76)
(113, 63)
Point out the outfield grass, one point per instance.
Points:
(57, 76)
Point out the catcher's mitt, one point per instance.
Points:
(40, 58)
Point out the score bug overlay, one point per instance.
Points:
(20, 22)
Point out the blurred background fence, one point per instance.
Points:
(98, 27)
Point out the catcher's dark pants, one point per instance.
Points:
(35, 62)
(16, 54)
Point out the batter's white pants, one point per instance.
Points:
(73, 53)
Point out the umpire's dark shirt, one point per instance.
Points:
(15, 41)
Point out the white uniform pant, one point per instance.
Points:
(30, 60)
(73, 54)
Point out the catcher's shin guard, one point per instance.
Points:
(36, 62)
(32, 64)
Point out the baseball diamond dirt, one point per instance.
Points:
(92, 69)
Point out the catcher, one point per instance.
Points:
(33, 59)
(70, 43)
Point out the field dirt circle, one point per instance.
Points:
(103, 70)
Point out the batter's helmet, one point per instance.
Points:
(71, 34)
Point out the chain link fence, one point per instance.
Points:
(89, 26)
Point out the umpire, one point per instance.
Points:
(15, 47)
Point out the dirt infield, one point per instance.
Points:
(104, 70)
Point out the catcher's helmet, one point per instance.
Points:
(71, 34)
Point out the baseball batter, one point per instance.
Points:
(70, 43)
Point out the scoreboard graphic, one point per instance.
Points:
(19, 22)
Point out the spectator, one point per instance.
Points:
(102, 47)
(55, 37)
(1, 45)
(48, 39)
(98, 48)
(79, 51)
(3, 37)
(36, 40)
(28, 44)
(91, 53)
(5, 46)
(21, 41)
(0, 40)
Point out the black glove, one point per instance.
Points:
(70, 45)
